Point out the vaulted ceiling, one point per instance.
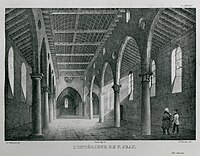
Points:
(75, 35)
(19, 29)
(172, 24)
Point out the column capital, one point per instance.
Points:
(146, 76)
(36, 76)
(116, 87)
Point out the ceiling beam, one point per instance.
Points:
(28, 44)
(74, 37)
(173, 23)
(8, 10)
(89, 12)
(162, 24)
(71, 70)
(23, 32)
(182, 14)
(78, 31)
(23, 38)
(163, 34)
(62, 63)
(21, 27)
(188, 11)
(78, 44)
(161, 37)
(21, 11)
(67, 55)
(180, 20)
(99, 48)
(72, 75)
(27, 40)
(161, 42)
(164, 31)
(20, 21)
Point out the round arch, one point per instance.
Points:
(150, 40)
(130, 51)
(106, 64)
(43, 61)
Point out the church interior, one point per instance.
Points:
(99, 73)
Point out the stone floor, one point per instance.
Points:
(76, 128)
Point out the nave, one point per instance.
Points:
(99, 73)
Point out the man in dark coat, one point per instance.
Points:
(166, 121)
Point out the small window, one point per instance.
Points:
(23, 79)
(176, 70)
(131, 85)
(11, 68)
(66, 103)
(153, 80)
(128, 16)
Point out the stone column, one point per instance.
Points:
(46, 106)
(36, 106)
(145, 108)
(54, 108)
(84, 109)
(116, 89)
(50, 108)
(91, 106)
(101, 106)
(84, 102)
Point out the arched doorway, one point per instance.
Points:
(69, 102)
(95, 101)
(67, 106)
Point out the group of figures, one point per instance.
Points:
(169, 120)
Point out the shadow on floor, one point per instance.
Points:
(73, 129)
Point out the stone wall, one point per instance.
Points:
(185, 100)
(17, 106)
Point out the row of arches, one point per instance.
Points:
(129, 54)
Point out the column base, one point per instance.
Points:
(117, 126)
(36, 136)
(101, 121)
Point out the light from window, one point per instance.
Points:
(153, 80)
(66, 103)
(11, 68)
(176, 70)
(23, 79)
(128, 16)
(131, 85)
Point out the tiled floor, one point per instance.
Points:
(70, 129)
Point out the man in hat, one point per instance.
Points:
(166, 121)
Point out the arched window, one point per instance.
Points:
(176, 70)
(23, 79)
(66, 103)
(11, 68)
(128, 16)
(153, 80)
(131, 85)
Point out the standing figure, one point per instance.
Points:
(166, 121)
(175, 122)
